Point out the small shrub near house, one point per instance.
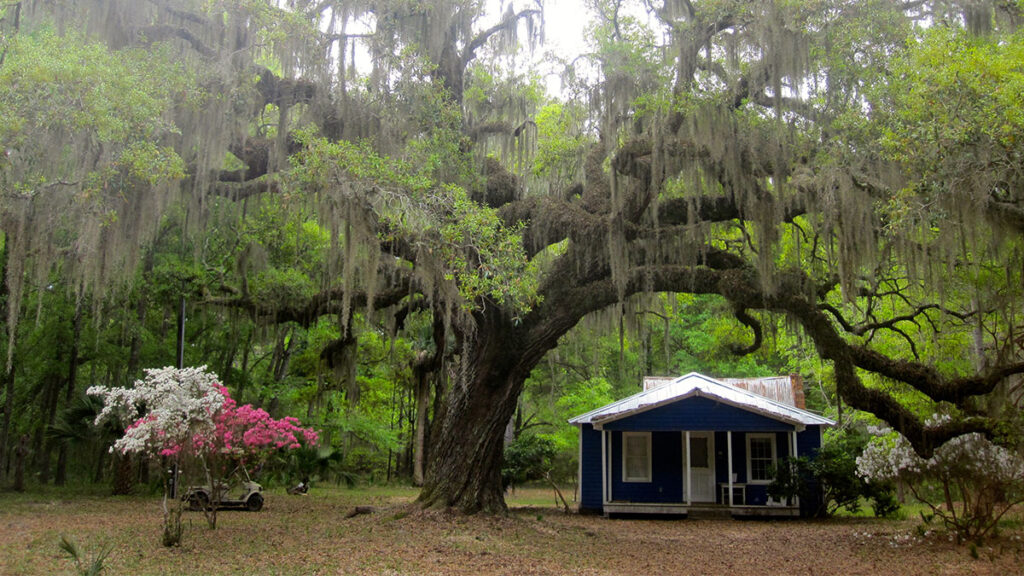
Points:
(527, 458)
(831, 479)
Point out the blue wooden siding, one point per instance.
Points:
(808, 443)
(590, 469)
(698, 413)
(666, 483)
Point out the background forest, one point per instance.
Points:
(375, 215)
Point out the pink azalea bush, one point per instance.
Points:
(248, 433)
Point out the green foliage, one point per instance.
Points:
(830, 477)
(629, 53)
(59, 93)
(322, 163)
(274, 25)
(527, 458)
(884, 502)
(953, 114)
(560, 142)
(483, 257)
(272, 287)
(952, 90)
(486, 258)
(575, 398)
(584, 396)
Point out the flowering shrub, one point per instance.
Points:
(175, 413)
(828, 481)
(250, 433)
(165, 413)
(969, 482)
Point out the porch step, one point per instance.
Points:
(710, 513)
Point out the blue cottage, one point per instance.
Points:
(695, 443)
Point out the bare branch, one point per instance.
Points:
(322, 304)
(510, 20)
(247, 189)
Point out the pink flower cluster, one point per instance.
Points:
(248, 431)
(241, 431)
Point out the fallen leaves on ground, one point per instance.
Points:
(309, 535)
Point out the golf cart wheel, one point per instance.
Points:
(198, 501)
(254, 503)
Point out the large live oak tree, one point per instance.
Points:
(800, 159)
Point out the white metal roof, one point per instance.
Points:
(694, 384)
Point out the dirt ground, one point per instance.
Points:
(311, 536)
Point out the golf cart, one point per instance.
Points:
(239, 491)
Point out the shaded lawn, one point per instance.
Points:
(309, 535)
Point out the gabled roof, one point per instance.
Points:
(699, 385)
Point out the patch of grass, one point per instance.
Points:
(535, 496)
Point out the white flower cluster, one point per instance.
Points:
(164, 412)
(891, 457)
(887, 458)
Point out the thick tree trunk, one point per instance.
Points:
(465, 459)
(468, 436)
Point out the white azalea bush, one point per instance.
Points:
(969, 482)
(164, 412)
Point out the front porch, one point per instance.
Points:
(702, 510)
(679, 472)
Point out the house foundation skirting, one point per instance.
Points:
(704, 510)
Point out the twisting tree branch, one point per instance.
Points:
(749, 321)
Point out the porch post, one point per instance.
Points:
(604, 466)
(689, 485)
(578, 490)
(728, 443)
(793, 455)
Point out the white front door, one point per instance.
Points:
(702, 466)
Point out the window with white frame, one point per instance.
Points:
(636, 456)
(760, 458)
